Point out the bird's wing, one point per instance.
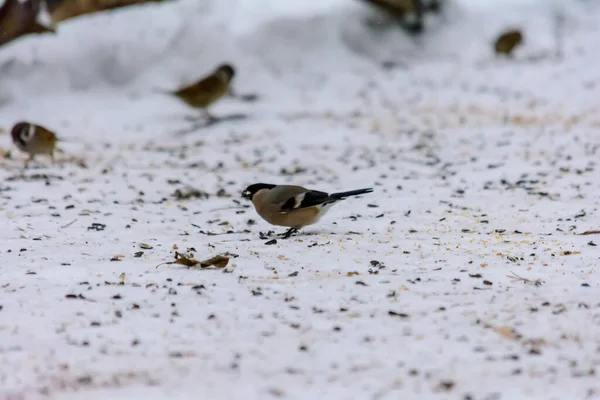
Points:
(209, 84)
(47, 135)
(310, 198)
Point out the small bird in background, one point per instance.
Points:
(33, 139)
(293, 206)
(20, 18)
(207, 90)
(409, 13)
(508, 41)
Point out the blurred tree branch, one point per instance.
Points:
(23, 17)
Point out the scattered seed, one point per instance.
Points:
(96, 227)
(446, 385)
(535, 351)
(85, 380)
(397, 314)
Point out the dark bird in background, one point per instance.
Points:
(409, 13)
(508, 41)
(33, 139)
(19, 18)
(293, 206)
(207, 90)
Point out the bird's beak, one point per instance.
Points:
(246, 194)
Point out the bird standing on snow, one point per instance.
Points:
(207, 90)
(293, 206)
(33, 140)
(508, 41)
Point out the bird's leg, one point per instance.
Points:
(209, 117)
(289, 233)
(30, 159)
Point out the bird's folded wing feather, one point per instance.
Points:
(207, 85)
(306, 199)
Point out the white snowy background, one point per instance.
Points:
(482, 168)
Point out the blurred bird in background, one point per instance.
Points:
(207, 90)
(507, 42)
(33, 139)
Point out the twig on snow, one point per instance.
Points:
(537, 282)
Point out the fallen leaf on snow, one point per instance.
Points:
(218, 261)
(506, 332)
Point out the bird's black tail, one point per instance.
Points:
(342, 195)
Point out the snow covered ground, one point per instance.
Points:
(483, 169)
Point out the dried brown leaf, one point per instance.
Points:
(188, 260)
(506, 332)
(218, 261)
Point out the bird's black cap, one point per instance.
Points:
(228, 69)
(251, 190)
